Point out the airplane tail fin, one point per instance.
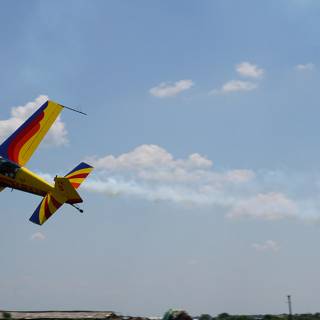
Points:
(79, 174)
(64, 192)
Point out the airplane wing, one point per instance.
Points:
(48, 206)
(21, 145)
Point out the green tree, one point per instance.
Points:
(6, 315)
(205, 317)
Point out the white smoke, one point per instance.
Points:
(150, 172)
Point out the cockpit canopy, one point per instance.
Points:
(8, 168)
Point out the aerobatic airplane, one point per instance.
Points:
(16, 151)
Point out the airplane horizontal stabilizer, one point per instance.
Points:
(48, 206)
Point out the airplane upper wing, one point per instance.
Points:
(21, 145)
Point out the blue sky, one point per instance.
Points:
(203, 128)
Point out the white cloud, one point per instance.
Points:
(238, 175)
(250, 70)
(269, 245)
(165, 89)
(57, 135)
(305, 67)
(38, 236)
(46, 176)
(268, 206)
(149, 156)
(235, 86)
(152, 173)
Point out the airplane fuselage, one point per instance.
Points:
(21, 178)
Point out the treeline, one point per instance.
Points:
(226, 316)
(169, 315)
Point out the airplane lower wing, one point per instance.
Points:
(21, 145)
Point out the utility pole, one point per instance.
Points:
(290, 307)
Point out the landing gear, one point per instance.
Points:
(76, 207)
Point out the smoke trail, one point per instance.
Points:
(149, 172)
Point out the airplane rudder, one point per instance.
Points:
(79, 174)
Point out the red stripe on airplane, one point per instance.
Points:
(23, 136)
(80, 175)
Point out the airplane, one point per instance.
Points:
(16, 151)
